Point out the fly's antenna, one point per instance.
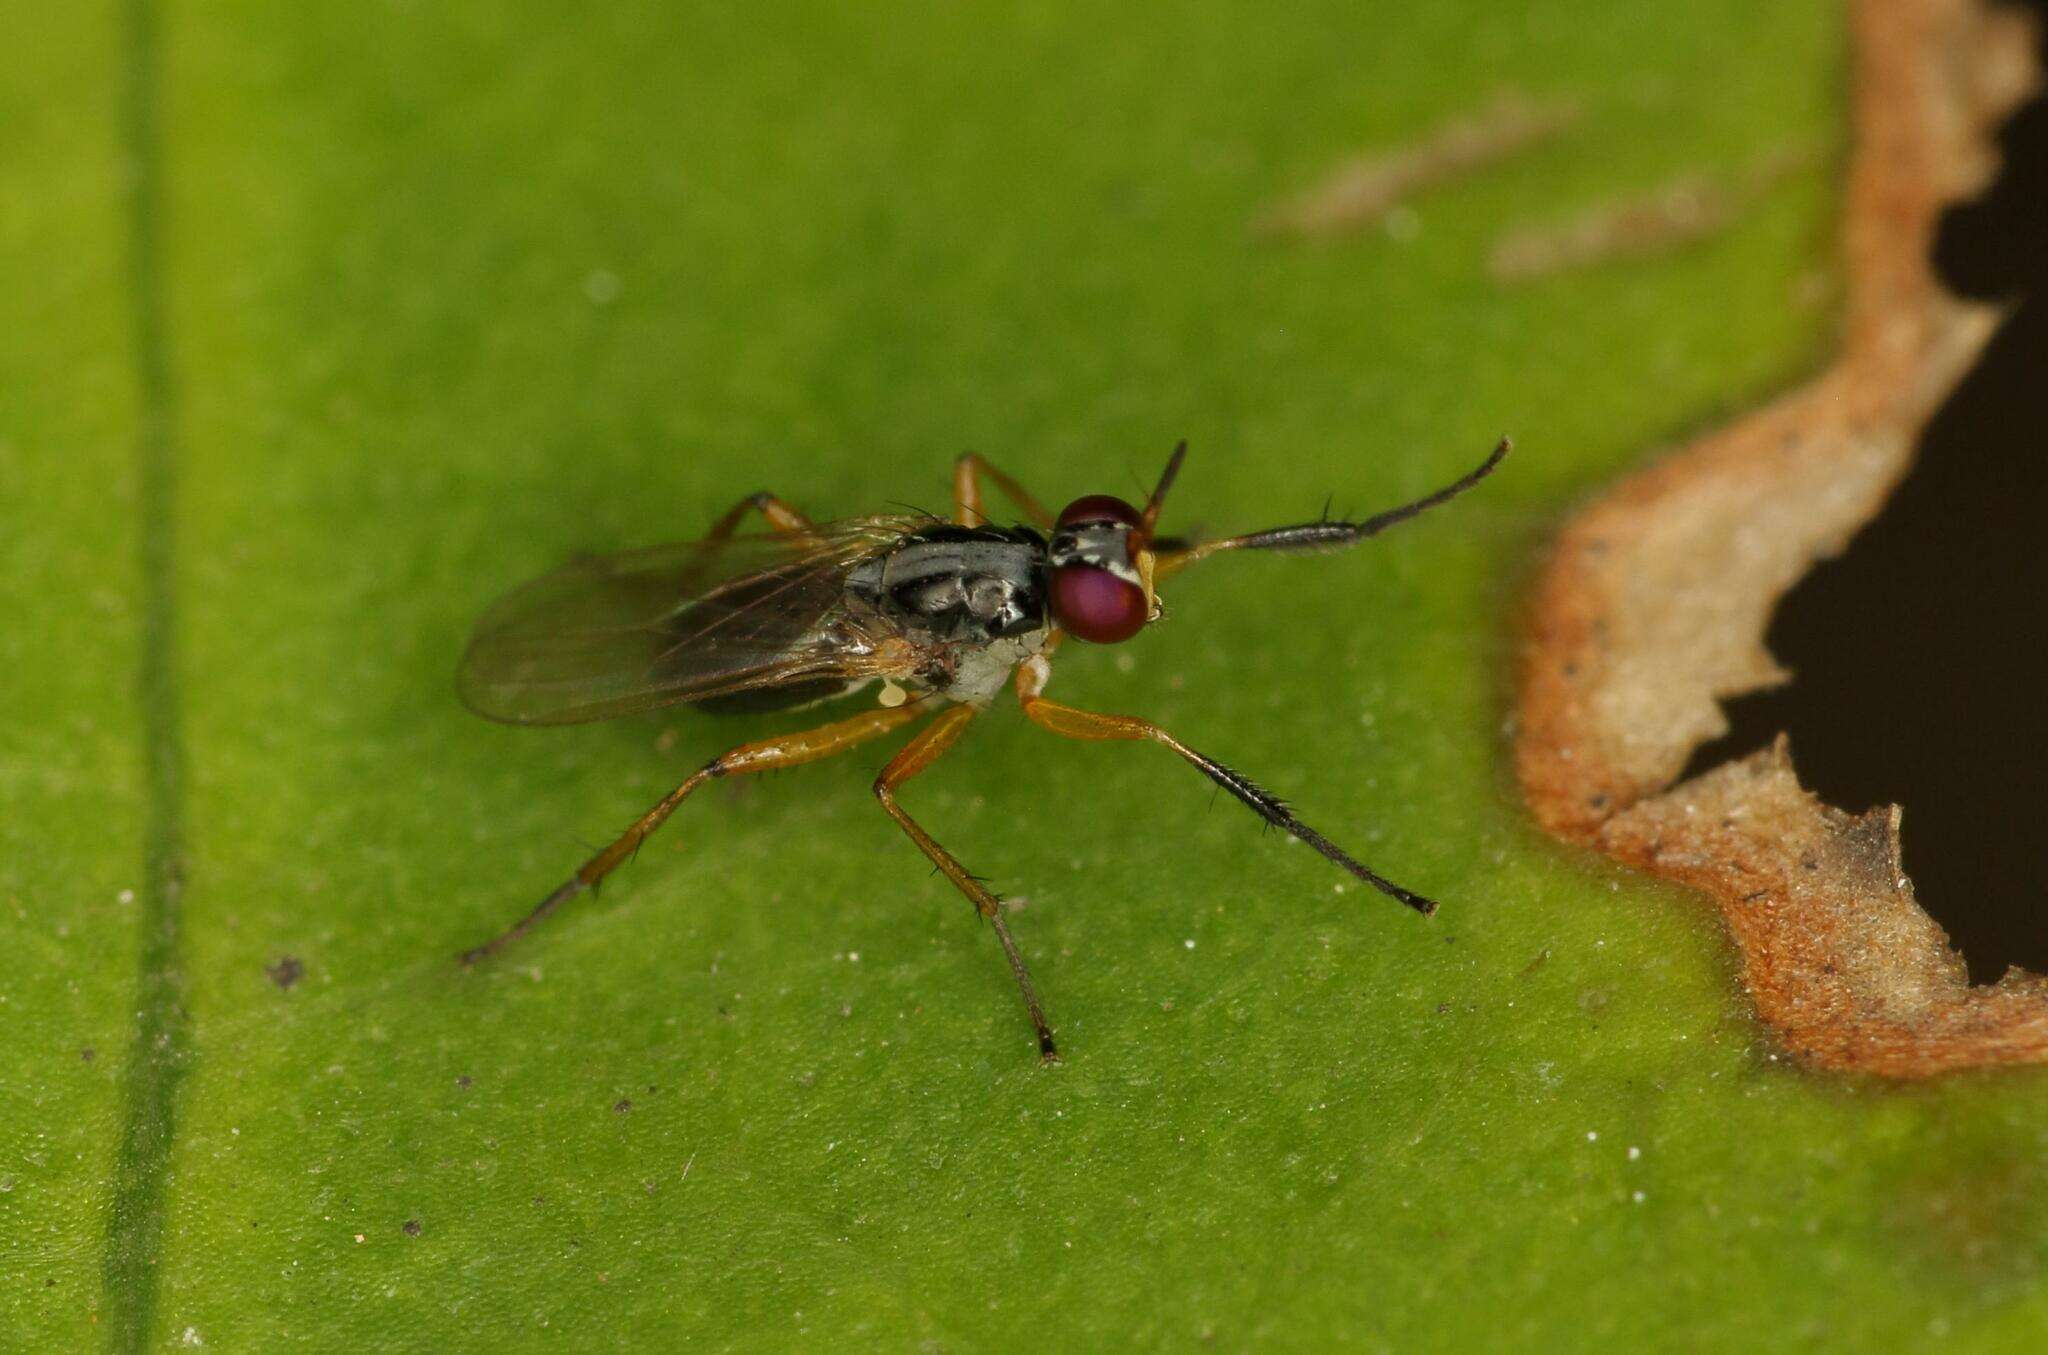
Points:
(1379, 522)
(1328, 533)
(1150, 518)
(1142, 554)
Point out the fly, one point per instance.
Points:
(942, 614)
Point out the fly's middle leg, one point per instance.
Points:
(967, 497)
(788, 750)
(782, 519)
(920, 753)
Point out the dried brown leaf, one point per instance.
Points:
(1654, 602)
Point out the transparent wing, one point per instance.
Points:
(612, 635)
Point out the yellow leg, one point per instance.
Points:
(780, 517)
(920, 753)
(782, 520)
(1073, 723)
(788, 750)
(967, 497)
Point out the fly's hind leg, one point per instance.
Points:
(918, 754)
(782, 519)
(967, 498)
(789, 750)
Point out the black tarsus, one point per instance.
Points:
(1275, 812)
(564, 892)
(578, 883)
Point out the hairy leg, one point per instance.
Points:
(929, 745)
(788, 750)
(1074, 723)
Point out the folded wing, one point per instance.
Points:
(612, 635)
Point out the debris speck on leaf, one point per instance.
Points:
(1689, 208)
(1366, 189)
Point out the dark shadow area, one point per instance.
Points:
(1921, 673)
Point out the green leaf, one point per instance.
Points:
(321, 327)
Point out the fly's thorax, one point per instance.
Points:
(958, 585)
(968, 602)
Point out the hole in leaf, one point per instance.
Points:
(1921, 675)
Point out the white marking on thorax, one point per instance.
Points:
(984, 669)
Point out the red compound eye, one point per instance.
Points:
(1095, 605)
(1098, 508)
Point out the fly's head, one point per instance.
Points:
(1097, 592)
(1101, 564)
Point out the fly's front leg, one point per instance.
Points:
(918, 754)
(967, 498)
(1083, 724)
(789, 750)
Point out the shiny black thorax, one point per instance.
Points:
(953, 583)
